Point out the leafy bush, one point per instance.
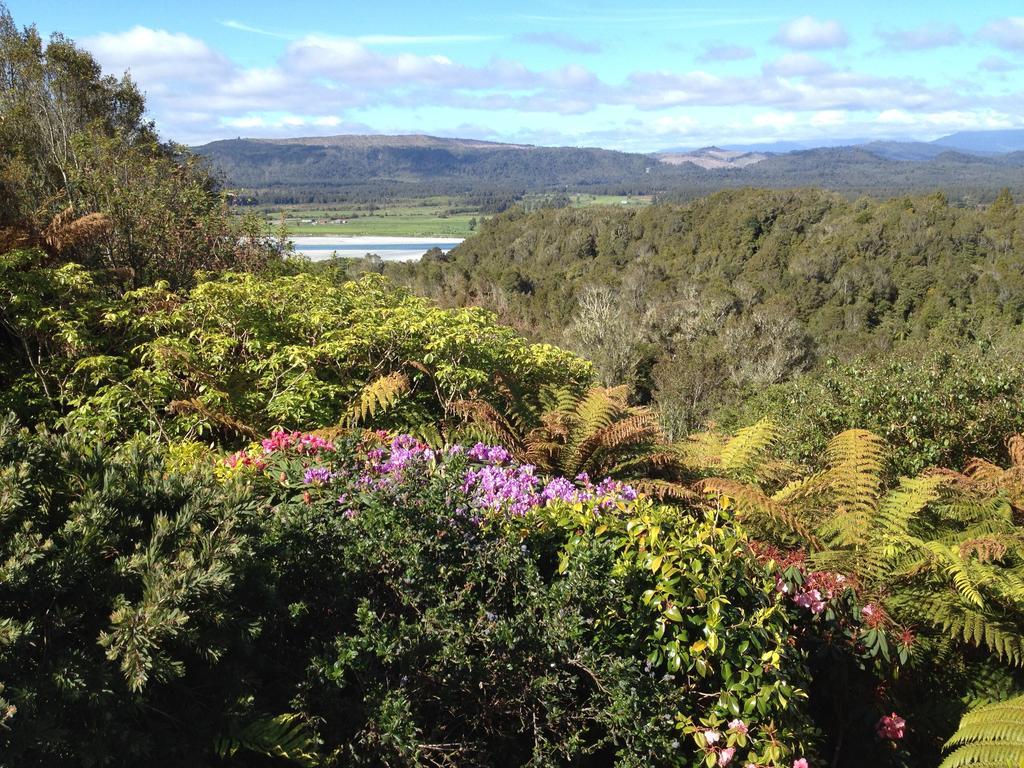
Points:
(911, 589)
(933, 410)
(375, 602)
(241, 354)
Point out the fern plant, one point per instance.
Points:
(991, 736)
(940, 550)
(936, 566)
(597, 432)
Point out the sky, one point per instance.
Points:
(636, 77)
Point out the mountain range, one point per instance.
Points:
(969, 166)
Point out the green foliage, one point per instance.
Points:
(706, 304)
(989, 737)
(597, 432)
(932, 409)
(935, 561)
(114, 603)
(240, 354)
(150, 615)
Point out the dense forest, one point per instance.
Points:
(358, 168)
(261, 512)
(700, 306)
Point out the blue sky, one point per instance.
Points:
(609, 74)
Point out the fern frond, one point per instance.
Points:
(753, 504)
(286, 737)
(991, 735)
(742, 455)
(492, 425)
(195, 405)
(664, 490)
(377, 397)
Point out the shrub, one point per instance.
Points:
(370, 601)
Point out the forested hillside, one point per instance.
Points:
(370, 167)
(742, 289)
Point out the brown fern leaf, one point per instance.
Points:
(664, 490)
(483, 414)
(632, 430)
(986, 549)
(68, 231)
(1015, 447)
(753, 504)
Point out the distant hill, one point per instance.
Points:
(323, 169)
(421, 164)
(995, 142)
(712, 157)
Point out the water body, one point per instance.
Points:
(388, 248)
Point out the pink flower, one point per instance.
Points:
(725, 756)
(811, 600)
(737, 725)
(872, 614)
(891, 727)
(801, 763)
(712, 737)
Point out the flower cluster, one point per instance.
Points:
(297, 442)
(873, 615)
(815, 592)
(514, 488)
(492, 487)
(488, 454)
(317, 476)
(891, 727)
(404, 451)
(493, 483)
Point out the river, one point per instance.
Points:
(388, 248)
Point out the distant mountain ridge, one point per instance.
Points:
(993, 142)
(712, 157)
(309, 169)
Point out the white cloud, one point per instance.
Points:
(932, 35)
(1006, 33)
(674, 124)
(776, 120)
(156, 55)
(243, 27)
(896, 117)
(829, 118)
(997, 64)
(320, 84)
(797, 65)
(808, 33)
(725, 52)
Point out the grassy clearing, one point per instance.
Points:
(425, 217)
(436, 216)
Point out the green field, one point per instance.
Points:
(436, 216)
(427, 217)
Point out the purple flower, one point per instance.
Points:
(560, 489)
(513, 489)
(488, 454)
(317, 476)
